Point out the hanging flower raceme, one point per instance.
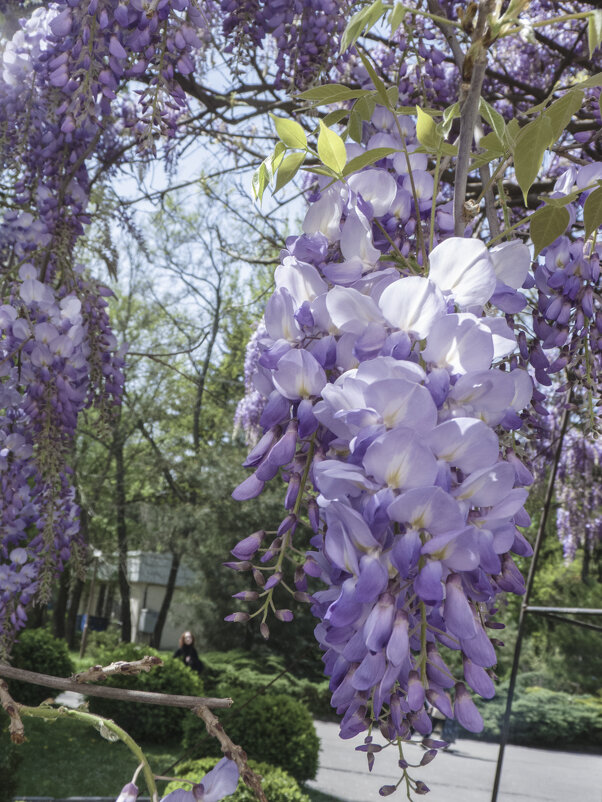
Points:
(384, 395)
(217, 784)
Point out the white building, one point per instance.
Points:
(148, 574)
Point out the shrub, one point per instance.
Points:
(275, 729)
(545, 718)
(148, 722)
(239, 671)
(37, 650)
(277, 784)
(9, 760)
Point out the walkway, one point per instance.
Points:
(462, 774)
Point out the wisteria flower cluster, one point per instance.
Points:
(218, 783)
(385, 389)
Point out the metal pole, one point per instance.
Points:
(525, 603)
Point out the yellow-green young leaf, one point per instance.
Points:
(331, 149)
(531, 144)
(493, 118)
(449, 115)
(320, 171)
(594, 31)
(261, 178)
(592, 212)
(332, 93)
(426, 131)
(397, 17)
(393, 95)
(561, 112)
(369, 157)
(288, 169)
(361, 21)
(547, 224)
(492, 143)
(273, 162)
(290, 132)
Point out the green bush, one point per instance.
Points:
(277, 784)
(152, 723)
(239, 672)
(9, 760)
(37, 650)
(545, 718)
(275, 729)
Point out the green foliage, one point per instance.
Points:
(9, 761)
(545, 718)
(37, 650)
(143, 722)
(273, 728)
(277, 784)
(248, 673)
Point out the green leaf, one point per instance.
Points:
(273, 161)
(592, 212)
(563, 201)
(548, 224)
(426, 131)
(290, 132)
(595, 80)
(594, 31)
(531, 144)
(511, 134)
(381, 90)
(361, 21)
(393, 95)
(320, 171)
(335, 116)
(561, 112)
(288, 169)
(492, 143)
(397, 17)
(493, 118)
(333, 93)
(354, 129)
(449, 115)
(331, 149)
(369, 157)
(365, 107)
(261, 178)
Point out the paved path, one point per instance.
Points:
(463, 774)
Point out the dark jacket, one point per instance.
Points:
(189, 655)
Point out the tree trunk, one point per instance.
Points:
(169, 591)
(60, 606)
(122, 540)
(76, 594)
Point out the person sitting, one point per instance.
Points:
(187, 653)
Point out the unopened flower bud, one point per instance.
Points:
(245, 549)
(273, 580)
(290, 522)
(421, 788)
(292, 491)
(265, 630)
(428, 756)
(237, 618)
(272, 551)
(284, 615)
(258, 577)
(241, 566)
(387, 790)
(246, 595)
(313, 513)
(302, 597)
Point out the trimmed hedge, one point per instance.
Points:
(38, 650)
(9, 761)
(545, 718)
(244, 673)
(275, 729)
(151, 723)
(277, 784)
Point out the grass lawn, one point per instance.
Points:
(68, 758)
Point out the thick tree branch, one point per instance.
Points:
(119, 694)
